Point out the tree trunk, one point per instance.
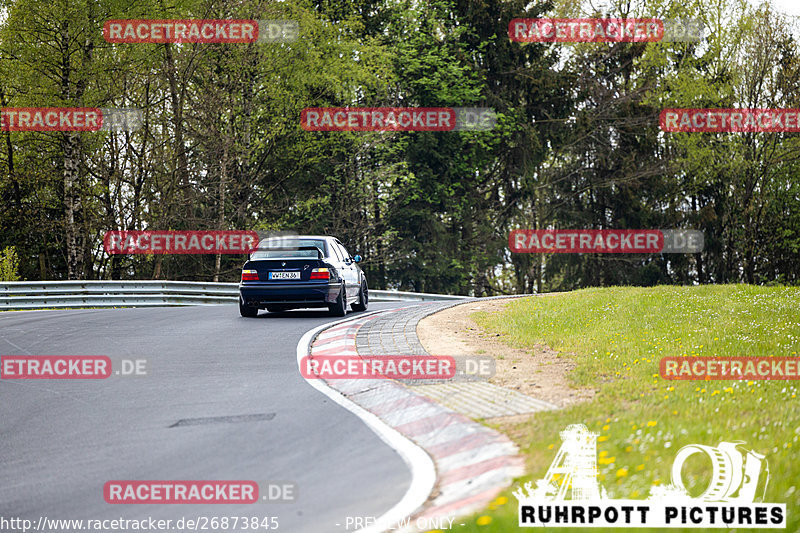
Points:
(72, 204)
(223, 180)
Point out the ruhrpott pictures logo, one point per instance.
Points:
(570, 496)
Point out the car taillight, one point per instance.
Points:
(249, 275)
(320, 273)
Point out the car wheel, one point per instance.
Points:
(247, 311)
(363, 298)
(340, 307)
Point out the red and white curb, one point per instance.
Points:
(472, 462)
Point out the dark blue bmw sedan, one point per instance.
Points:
(302, 271)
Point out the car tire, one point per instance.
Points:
(247, 311)
(340, 307)
(363, 298)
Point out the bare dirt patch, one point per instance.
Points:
(539, 373)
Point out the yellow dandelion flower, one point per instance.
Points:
(484, 520)
(651, 423)
(622, 472)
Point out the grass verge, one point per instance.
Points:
(617, 337)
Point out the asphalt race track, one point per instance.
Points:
(62, 440)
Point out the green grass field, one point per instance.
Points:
(617, 336)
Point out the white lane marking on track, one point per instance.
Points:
(423, 470)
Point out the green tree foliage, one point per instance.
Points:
(9, 265)
(577, 143)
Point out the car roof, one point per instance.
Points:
(298, 237)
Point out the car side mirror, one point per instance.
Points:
(357, 258)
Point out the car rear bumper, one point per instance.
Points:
(302, 294)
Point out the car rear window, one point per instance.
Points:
(264, 251)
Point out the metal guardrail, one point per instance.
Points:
(81, 294)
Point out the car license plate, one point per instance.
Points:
(284, 275)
